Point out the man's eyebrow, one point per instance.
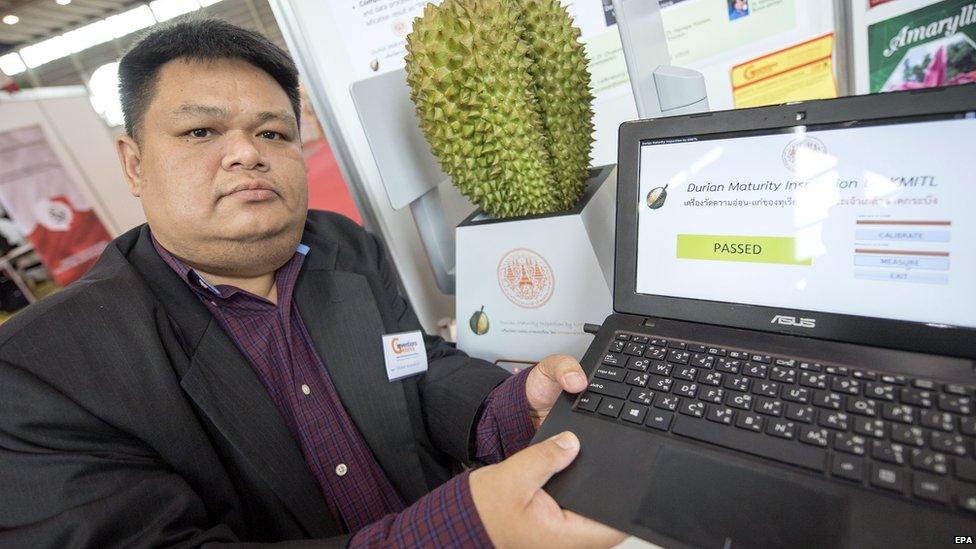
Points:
(282, 116)
(192, 109)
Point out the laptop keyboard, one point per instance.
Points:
(911, 437)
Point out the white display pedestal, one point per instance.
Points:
(526, 285)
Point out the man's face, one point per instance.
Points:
(220, 161)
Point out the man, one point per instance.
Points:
(218, 376)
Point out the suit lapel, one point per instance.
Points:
(342, 316)
(224, 387)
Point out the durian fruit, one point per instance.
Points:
(479, 322)
(502, 93)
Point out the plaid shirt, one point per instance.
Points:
(359, 494)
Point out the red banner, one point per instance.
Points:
(41, 199)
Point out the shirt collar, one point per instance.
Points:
(194, 279)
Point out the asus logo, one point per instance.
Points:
(793, 321)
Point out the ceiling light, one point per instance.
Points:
(11, 19)
(165, 10)
(63, 2)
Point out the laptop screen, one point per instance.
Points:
(872, 219)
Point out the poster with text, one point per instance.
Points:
(42, 200)
(928, 47)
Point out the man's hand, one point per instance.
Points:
(516, 511)
(550, 377)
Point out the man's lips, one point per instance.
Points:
(253, 190)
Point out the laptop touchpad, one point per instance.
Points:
(709, 503)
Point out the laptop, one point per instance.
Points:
(790, 361)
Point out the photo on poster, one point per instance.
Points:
(738, 9)
(928, 47)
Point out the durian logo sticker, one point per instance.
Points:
(656, 197)
(525, 278)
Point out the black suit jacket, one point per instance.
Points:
(129, 418)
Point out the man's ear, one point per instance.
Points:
(130, 157)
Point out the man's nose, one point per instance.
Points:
(243, 153)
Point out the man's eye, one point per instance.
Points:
(199, 132)
(269, 134)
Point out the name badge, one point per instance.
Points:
(405, 355)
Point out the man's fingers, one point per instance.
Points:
(532, 467)
(590, 533)
(564, 370)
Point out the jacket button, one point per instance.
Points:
(306, 389)
(341, 469)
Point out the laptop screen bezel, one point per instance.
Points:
(916, 336)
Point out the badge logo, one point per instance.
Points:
(798, 147)
(525, 278)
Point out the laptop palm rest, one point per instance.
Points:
(707, 502)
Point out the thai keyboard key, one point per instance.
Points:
(634, 413)
(889, 452)
(720, 414)
(660, 368)
(686, 388)
(948, 443)
(588, 402)
(751, 422)
(912, 436)
(834, 420)
(823, 399)
(814, 435)
(928, 460)
(614, 359)
(634, 349)
(958, 404)
(712, 394)
(769, 407)
(936, 420)
(917, 397)
(637, 378)
(869, 427)
(850, 444)
(659, 420)
(753, 369)
(612, 374)
(888, 477)
(662, 384)
(781, 428)
(812, 380)
(607, 388)
(693, 408)
(862, 406)
(846, 385)
(797, 394)
(710, 378)
(741, 401)
(782, 374)
(880, 391)
(667, 402)
(688, 373)
(639, 364)
(679, 357)
(766, 388)
(738, 383)
(930, 488)
(804, 414)
(610, 407)
(848, 467)
(898, 412)
(642, 396)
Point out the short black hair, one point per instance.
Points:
(199, 39)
